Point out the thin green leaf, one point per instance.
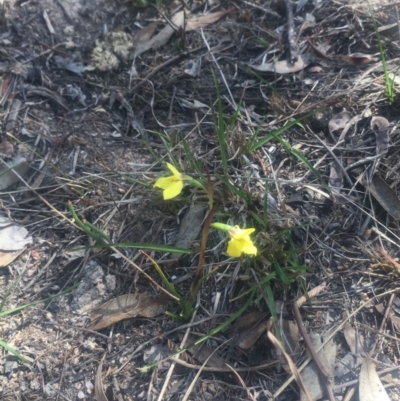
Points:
(281, 274)
(220, 327)
(271, 301)
(299, 156)
(281, 130)
(258, 219)
(388, 82)
(266, 279)
(9, 289)
(18, 308)
(236, 190)
(169, 286)
(13, 351)
(195, 166)
(151, 247)
(221, 129)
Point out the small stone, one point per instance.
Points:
(35, 385)
(10, 366)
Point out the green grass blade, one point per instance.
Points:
(189, 155)
(243, 195)
(281, 274)
(281, 130)
(271, 301)
(18, 308)
(219, 328)
(9, 289)
(263, 281)
(13, 351)
(169, 285)
(221, 129)
(389, 84)
(299, 156)
(258, 219)
(136, 245)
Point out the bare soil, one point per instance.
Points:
(98, 138)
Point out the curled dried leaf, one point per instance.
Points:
(98, 385)
(283, 67)
(370, 386)
(339, 121)
(385, 196)
(356, 59)
(380, 126)
(126, 307)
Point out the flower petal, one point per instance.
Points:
(248, 231)
(250, 249)
(165, 182)
(238, 233)
(174, 171)
(174, 189)
(233, 249)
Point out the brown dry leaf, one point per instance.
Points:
(339, 121)
(201, 21)
(291, 337)
(178, 21)
(310, 374)
(385, 196)
(189, 228)
(356, 59)
(162, 38)
(370, 386)
(126, 307)
(7, 257)
(7, 175)
(317, 51)
(380, 126)
(202, 352)
(250, 336)
(249, 328)
(292, 366)
(13, 239)
(282, 67)
(350, 336)
(144, 34)
(98, 385)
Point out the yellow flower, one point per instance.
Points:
(240, 241)
(171, 185)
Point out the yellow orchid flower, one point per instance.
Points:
(171, 185)
(240, 241)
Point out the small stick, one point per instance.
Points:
(352, 382)
(321, 368)
(174, 359)
(161, 66)
(384, 321)
(291, 33)
(117, 389)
